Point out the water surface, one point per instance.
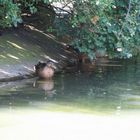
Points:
(106, 90)
(73, 103)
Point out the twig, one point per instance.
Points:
(128, 11)
(61, 9)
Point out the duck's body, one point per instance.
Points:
(46, 73)
(45, 70)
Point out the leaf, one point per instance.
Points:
(95, 19)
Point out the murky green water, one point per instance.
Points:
(108, 90)
(104, 104)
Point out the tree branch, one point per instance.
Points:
(127, 15)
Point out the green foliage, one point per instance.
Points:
(10, 10)
(111, 26)
(9, 13)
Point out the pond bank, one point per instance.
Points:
(21, 49)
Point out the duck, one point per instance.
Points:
(45, 70)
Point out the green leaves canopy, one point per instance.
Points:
(112, 26)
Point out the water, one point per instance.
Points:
(73, 106)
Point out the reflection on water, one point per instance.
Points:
(104, 104)
(109, 90)
(46, 85)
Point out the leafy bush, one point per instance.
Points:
(109, 26)
(9, 13)
(11, 10)
(112, 26)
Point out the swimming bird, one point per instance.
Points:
(45, 70)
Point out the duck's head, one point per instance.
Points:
(50, 64)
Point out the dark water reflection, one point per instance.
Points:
(112, 90)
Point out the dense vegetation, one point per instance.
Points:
(107, 26)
